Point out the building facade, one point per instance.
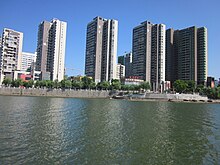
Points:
(121, 60)
(10, 53)
(42, 46)
(141, 51)
(101, 49)
(51, 49)
(186, 54)
(27, 61)
(128, 64)
(158, 40)
(120, 71)
(148, 53)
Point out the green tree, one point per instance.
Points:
(68, 84)
(44, 83)
(180, 86)
(87, 81)
(18, 82)
(125, 87)
(93, 85)
(7, 81)
(25, 84)
(200, 88)
(115, 84)
(37, 84)
(56, 84)
(62, 82)
(104, 85)
(132, 87)
(49, 84)
(145, 85)
(77, 84)
(190, 86)
(30, 83)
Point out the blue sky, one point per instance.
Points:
(25, 16)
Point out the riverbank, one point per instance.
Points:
(54, 92)
(71, 93)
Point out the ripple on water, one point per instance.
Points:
(40, 130)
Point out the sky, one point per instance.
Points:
(26, 15)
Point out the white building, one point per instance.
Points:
(51, 49)
(120, 71)
(10, 53)
(27, 60)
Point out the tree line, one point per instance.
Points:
(84, 83)
(190, 86)
(179, 86)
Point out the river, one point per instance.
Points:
(41, 130)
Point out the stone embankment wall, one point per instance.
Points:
(55, 93)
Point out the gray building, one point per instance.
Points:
(42, 46)
(141, 51)
(171, 56)
(10, 53)
(51, 49)
(158, 41)
(128, 64)
(148, 53)
(101, 49)
(186, 54)
(121, 60)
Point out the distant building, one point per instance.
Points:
(10, 53)
(133, 80)
(121, 60)
(51, 49)
(211, 82)
(167, 85)
(148, 53)
(27, 60)
(120, 71)
(186, 54)
(128, 64)
(101, 49)
(216, 83)
(22, 75)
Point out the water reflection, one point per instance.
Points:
(38, 130)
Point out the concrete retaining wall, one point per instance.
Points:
(55, 93)
(175, 96)
(94, 94)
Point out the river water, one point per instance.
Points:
(40, 130)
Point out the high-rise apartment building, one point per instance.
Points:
(27, 60)
(42, 46)
(10, 53)
(51, 49)
(148, 53)
(120, 71)
(101, 49)
(128, 64)
(158, 41)
(186, 54)
(202, 55)
(141, 51)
